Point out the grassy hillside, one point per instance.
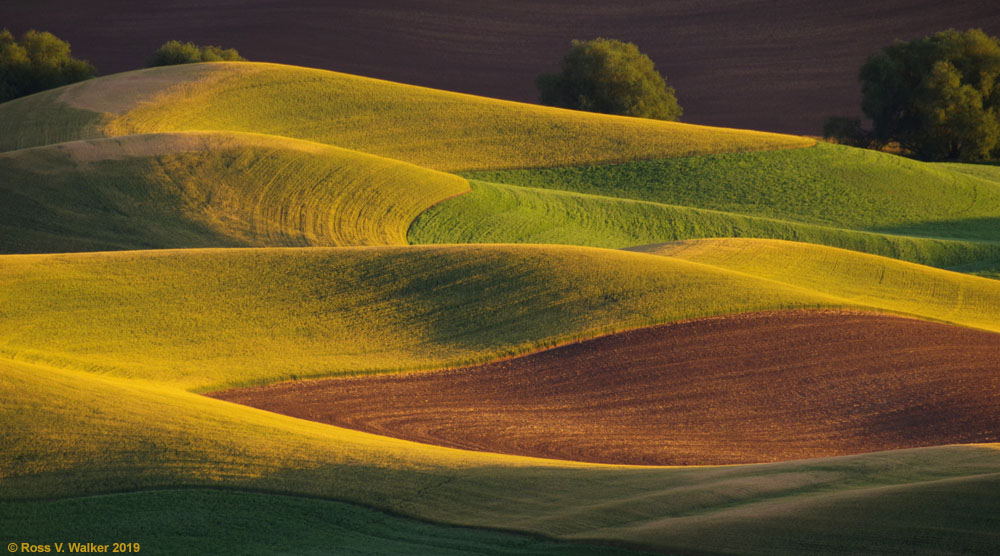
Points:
(827, 185)
(859, 278)
(70, 433)
(197, 522)
(436, 129)
(210, 318)
(207, 189)
(497, 213)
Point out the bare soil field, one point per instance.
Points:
(738, 389)
(773, 66)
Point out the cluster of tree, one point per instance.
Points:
(176, 52)
(611, 77)
(938, 97)
(37, 62)
(41, 61)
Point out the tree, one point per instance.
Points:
(938, 96)
(612, 77)
(38, 62)
(176, 52)
(846, 131)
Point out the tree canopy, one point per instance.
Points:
(612, 77)
(938, 96)
(37, 62)
(176, 52)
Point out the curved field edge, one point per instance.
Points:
(229, 522)
(825, 185)
(695, 392)
(75, 434)
(499, 213)
(213, 318)
(198, 189)
(431, 128)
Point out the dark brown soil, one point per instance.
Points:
(781, 65)
(739, 389)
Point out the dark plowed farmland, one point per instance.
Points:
(783, 65)
(737, 389)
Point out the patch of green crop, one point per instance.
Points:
(197, 522)
(496, 213)
(827, 185)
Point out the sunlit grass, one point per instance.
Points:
(854, 277)
(436, 129)
(496, 213)
(208, 189)
(827, 185)
(210, 318)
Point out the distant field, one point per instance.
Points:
(72, 434)
(206, 319)
(496, 213)
(435, 129)
(207, 189)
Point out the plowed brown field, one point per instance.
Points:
(736, 389)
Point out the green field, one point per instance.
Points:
(197, 522)
(497, 213)
(828, 185)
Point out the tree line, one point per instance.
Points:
(936, 97)
(41, 61)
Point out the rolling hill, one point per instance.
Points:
(201, 189)
(435, 129)
(175, 231)
(212, 318)
(72, 434)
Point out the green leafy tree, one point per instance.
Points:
(611, 77)
(846, 131)
(938, 96)
(37, 62)
(176, 52)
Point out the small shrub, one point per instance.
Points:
(176, 52)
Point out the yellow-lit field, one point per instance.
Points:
(198, 189)
(436, 129)
(205, 319)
